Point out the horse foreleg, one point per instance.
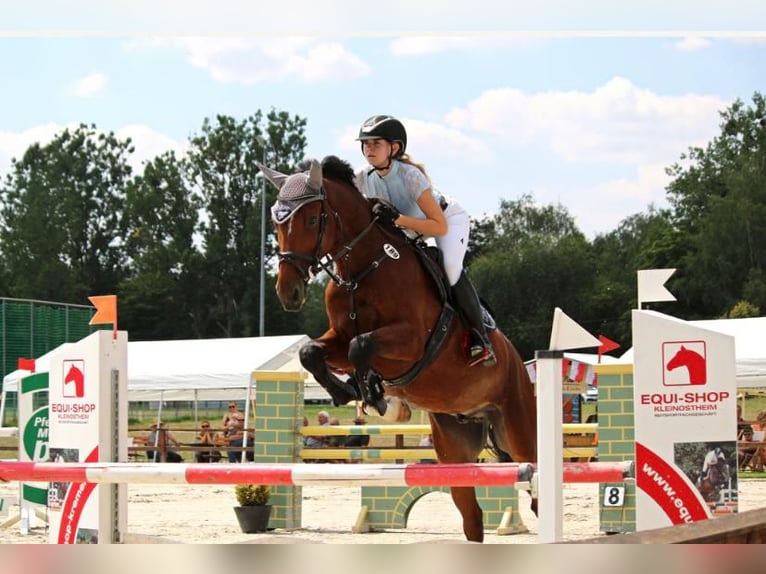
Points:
(361, 351)
(464, 498)
(314, 358)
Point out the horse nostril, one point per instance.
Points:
(297, 296)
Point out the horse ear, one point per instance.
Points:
(315, 175)
(276, 178)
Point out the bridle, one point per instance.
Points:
(308, 266)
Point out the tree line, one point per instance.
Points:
(179, 242)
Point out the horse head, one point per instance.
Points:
(315, 216)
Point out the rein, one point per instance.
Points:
(327, 263)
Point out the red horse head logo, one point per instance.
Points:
(74, 381)
(694, 363)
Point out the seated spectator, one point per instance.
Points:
(207, 437)
(745, 453)
(236, 438)
(155, 439)
(230, 418)
(357, 440)
(323, 419)
(760, 422)
(305, 424)
(335, 441)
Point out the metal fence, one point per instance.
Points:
(30, 328)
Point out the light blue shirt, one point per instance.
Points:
(401, 186)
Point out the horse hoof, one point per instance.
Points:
(397, 411)
(379, 409)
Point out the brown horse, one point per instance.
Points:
(717, 479)
(386, 313)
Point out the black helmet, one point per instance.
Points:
(384, 127)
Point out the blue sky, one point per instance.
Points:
(578, 103)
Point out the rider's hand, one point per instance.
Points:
(385, 212)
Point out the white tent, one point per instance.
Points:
(200, 369)
(749, 347)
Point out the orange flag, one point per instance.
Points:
(106, 309)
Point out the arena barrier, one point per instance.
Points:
(585, 432)
(309, 474)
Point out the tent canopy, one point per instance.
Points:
(201, 369)
(749, 347)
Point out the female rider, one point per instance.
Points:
(416, 206)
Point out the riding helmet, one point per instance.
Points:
(384, 127)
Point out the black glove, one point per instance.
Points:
(385, 212)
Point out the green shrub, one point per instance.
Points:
(252, 494)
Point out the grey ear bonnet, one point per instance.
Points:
(295, 190)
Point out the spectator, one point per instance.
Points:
(207, 437)
(236, 438)
(156, 439)
(306, 438)
(760, 422)
(746, 453)
(230, 418)
(323, 419)
(335, 440)
(357, 440)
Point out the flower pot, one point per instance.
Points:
(253, 518)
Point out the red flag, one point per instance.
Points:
(566, 364)
(27, 364)
(606, 346)
(582, 368)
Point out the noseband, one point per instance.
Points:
(309, 266)
(297, 259)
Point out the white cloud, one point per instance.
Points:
(604, 205)
(692, 43)
(90, 85)
(617, 122)
(147, 142)
(252, 60)
(426, 142)
(14, 144)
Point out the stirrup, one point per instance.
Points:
(480, 354)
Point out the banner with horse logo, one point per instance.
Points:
(684, 384)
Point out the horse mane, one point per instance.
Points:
(332, 168)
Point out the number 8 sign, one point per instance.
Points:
(614, 495)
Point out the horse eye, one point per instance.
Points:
(313, 220)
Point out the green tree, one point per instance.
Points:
(61, 222)
(538, 260)
(162, 298)
(719, 209)
(641, 241)
(222, 166)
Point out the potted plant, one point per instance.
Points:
(254, 510)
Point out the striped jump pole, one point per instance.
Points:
(306, 474)
(289, 474)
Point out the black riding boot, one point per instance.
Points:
(480, 349)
